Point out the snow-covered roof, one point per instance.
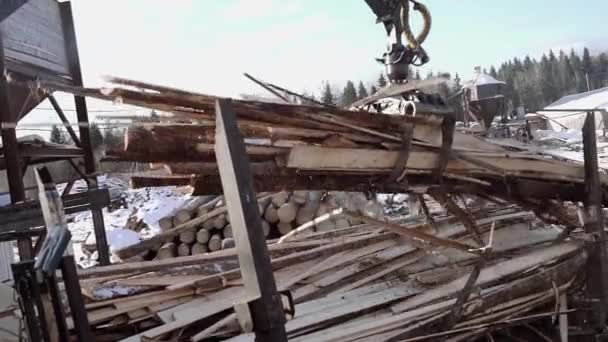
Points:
(596, 99)
(32, 138)
(481, 79)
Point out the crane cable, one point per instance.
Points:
(412, 41)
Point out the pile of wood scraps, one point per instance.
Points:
(460, 276)
(296, 147)
(368, 281)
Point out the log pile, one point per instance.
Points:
(296, 147)
(281, 214)
(352, 284)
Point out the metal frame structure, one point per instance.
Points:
(36, 281)
(16, 102)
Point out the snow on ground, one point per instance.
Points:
(5, 199)
(148, 205)
(570, 136)
(568, 144)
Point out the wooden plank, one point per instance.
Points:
(534, 258)
(336, 159)
(223, 256)
(371, 327)
(288, 260)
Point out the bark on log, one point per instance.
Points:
(257, 168)
(285, 228)
(167, 251)
(182, 216)
(215, 243)
(271, 215)
(165, 223)
(219, 222)
(227, 232)
(202, 236)
(300, 197)
(279, 199)
(199, 248)
(228, 243)
(287, 212)
(208, 225)
(184, 249)
(188, 236)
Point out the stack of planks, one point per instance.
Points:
(353, 284)
(298, 147)
(202, 225)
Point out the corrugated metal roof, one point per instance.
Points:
(596, 99)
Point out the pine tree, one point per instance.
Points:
(349, 95)
(587, 69)
(529, 91)
(114, 139)
(381, 81)
(602, 70)
(429, 75)
(96, 136)
(548, 83)
(579, 75)
(417, 75)
(528, 65)
(328, 97)
(362, 91)
(57, 136)
(565, 74)
(373, 89)
(493, 72)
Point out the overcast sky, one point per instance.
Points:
(206, 45)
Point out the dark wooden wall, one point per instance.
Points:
(33, 36)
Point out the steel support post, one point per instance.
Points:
(74, 294)
(64, 120)
(83, 120)
(28, 291)
(594, 226)
(12, 159)
(256, 269)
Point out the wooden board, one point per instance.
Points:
(333, 159)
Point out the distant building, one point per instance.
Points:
(60, 170)
(597, 99)
(483, 98)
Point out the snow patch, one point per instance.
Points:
(570, 136)
(147, 204)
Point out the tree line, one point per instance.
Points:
(534, 84)
(351, 93)
(110, 138)
(530, 82)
